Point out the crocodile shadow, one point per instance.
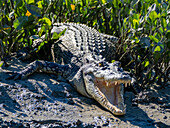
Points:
(134, 114)
(8, 103)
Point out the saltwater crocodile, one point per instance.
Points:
(82, 55)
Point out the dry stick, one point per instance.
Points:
(143, 59)
(120, 46)
(106, 20)
(12, 4)
(15, 41)
(139, 65)
(127, 50)
(160, 72)
(163, 72)
(153, 65)
(118, 50)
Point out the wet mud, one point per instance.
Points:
(46, 100)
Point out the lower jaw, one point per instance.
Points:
(120, 108)
(117, 103)
(118, 111)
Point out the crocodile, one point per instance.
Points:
(83, 57)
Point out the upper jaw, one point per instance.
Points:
(117, 82)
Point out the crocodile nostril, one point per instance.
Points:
(120, 69)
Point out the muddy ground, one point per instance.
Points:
(46, 100)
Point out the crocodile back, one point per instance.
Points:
(79, 43)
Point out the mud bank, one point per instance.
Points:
(46, 100)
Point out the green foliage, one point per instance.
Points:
(143, 27)
(56, 35)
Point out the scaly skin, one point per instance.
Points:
(82, 56)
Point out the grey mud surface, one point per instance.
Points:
(46, 100)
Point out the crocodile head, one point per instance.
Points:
(104, 82)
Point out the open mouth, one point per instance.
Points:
(112, 93)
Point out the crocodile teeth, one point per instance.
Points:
(107, 84)
(125, 84)
(129, 83)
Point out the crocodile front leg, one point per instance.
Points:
(43, 66)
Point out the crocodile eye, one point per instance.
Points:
(101, 64)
